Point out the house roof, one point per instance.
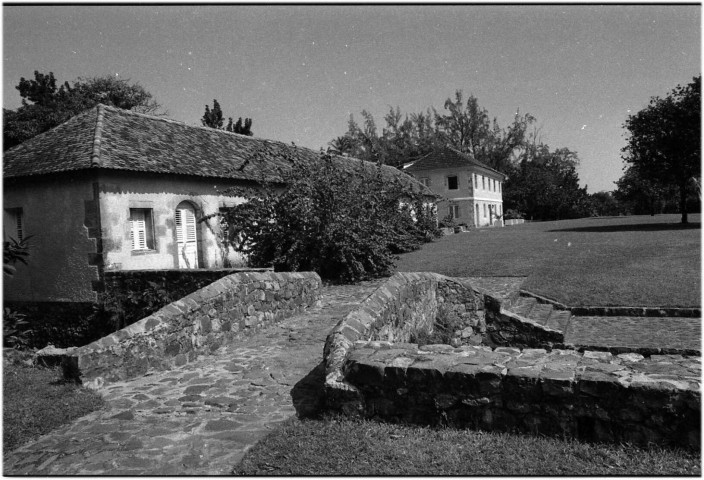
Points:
(111, 138)
(447, 157)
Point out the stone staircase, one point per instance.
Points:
(543, 314)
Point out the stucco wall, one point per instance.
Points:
(121, 191)
(466, 196)
(61, 248)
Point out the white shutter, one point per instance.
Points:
(138, 230)
(190, 226)
(179, 227)
(20, 231)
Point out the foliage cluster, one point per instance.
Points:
(16, 331)
(344, 220)
(213, 118)
(44, 105)
(445, 325)
(543, 182)
(663, 151)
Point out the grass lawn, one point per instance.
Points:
(620, 261)
(338, 446)
(36, 400)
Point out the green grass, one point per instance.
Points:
(622, 261)
(338, 446)
(36, 400)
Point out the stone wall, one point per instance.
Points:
(197, 324)
(372, 370)
(135, 294)
(404, 304)
(592, 396)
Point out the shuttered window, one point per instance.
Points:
(141, 229)
(18, 223)
(185, 226)
(14, 224)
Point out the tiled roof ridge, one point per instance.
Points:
(95, 157)
(110, 108)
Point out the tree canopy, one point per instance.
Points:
(543, 182)
(46, 105)
(664, 143)
(213, 118)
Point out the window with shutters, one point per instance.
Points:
(483, 183)
(14, 224)
(141, 229)
(455, 211)
(452, 183)
(425, 181)
(185, 226)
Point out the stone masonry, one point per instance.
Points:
(372, 370)
(199, 323)
(591, 395)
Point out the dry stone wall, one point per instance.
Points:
(197, 324)
(505, 383)
(592, 396)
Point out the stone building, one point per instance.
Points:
(471, 190)
(113, 190)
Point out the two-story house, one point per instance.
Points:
(471, 190)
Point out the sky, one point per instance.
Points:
(299, 71)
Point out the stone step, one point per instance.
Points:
(523, 306)
(540, 313)
(559, 320)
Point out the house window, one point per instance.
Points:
(425, 181)
(14, 226)
(455, 211)
(141, 229)
(483, 184)
(476, 181)
(485, 210)
(452, 183)
(494, 185)
(477, 218)
(499, 187)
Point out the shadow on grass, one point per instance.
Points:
(308, 393)
(639, 227)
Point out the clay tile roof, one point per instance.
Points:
(111, 138)
(447, 157)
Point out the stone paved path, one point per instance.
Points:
(201, 418)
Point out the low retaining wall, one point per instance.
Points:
(591, 396)
(372, 370)
(197, 324)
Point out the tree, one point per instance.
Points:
(604, 204)
(342, 146)
(664, 142)
(639, 195)
(44, 105)
(545, 186)
(214, 119)
(245, 129)
(345, 223)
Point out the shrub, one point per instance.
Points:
(345, 221)
(15, 330)
(511, 214)
(446, 324)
